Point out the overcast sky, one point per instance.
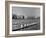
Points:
(26, 11)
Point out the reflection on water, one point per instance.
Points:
(25, 24)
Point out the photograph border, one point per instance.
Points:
(7, 18)
(28, 31)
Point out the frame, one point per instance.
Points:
(7, 18)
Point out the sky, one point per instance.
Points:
(26, 11)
